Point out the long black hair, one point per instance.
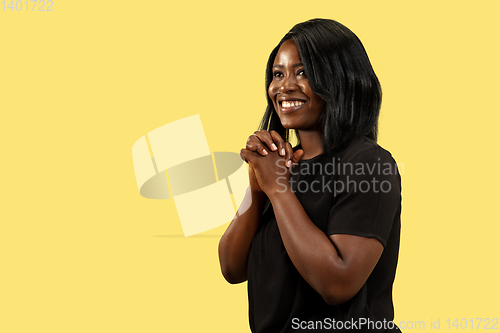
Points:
(340, 73)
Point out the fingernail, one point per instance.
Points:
(273, 146)
(283, 151)
(288, 163)
(264, 151)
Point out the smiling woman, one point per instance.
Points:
(319, 250)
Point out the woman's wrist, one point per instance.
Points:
(257, 194)
(278, 193)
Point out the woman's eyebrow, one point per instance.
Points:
(295, 65)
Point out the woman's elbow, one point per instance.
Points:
(338, 295)
(229, 269)
(231, 277)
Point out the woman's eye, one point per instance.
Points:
(301, 72)
(277, 74)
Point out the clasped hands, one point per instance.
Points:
(270, 160)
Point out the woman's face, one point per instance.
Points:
(297, 105)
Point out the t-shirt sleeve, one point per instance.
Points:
(367, 194)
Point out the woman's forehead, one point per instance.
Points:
(287, 53)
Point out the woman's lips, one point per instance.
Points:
(290, 106)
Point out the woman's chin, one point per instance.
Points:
(287, 125)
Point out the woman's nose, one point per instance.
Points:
(288, 84)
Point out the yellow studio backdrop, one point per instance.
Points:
(82, 251)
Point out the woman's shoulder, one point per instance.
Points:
(363, 149)
(359, 150)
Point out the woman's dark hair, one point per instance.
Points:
(340, 73)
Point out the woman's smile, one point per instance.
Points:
(287, 106)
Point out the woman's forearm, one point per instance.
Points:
(310, 249)
(236, 241)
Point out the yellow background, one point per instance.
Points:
(82, 251)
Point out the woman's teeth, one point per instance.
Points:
(289, 104)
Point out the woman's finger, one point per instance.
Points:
(254, 144)
(297, 155)
(288, 154)
(279, 142)
(243, 157)
(246, 155)
(265, 137)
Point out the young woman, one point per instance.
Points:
(318, 238)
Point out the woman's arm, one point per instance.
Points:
(336, 266)
(235, 243)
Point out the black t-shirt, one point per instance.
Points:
(355, 191)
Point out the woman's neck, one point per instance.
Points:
(311, 143)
